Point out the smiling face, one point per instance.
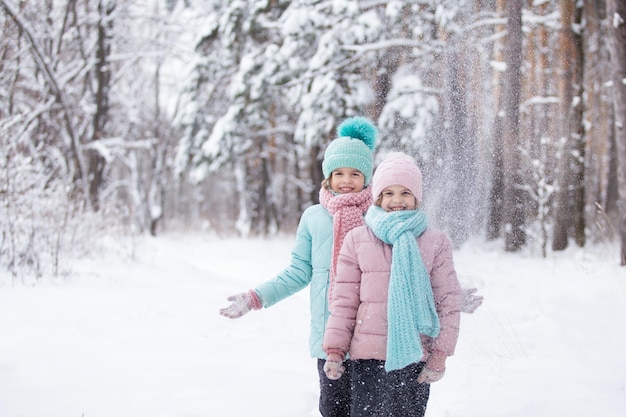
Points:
(346, 180)
(397, 197)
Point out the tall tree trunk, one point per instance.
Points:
(513, 204)
(600, 199)
(496, 193)
(577, 133)
(381, 75)
(529, 116)
(480, 105)
(460, 147)
(616, 13)
(103, 80)
(382, 78)
(570, 194)
(541, 148)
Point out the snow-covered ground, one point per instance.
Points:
(143, 337)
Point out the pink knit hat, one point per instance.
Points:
(397, 168)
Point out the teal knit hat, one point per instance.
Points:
(353, 148)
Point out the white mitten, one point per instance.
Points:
(334, 369)
(470, 302)
(242, 304)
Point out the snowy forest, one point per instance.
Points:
(121, 117)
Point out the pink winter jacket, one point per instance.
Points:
(358, 297)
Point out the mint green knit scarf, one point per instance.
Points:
(411, 305)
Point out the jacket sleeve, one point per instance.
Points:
(447, 294)
(297, 275)
(344, 300)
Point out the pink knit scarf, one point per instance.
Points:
(347, 211)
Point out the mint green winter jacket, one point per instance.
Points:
(310, 265)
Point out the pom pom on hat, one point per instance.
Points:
(353, 148)
(398, 169)
(359, 128)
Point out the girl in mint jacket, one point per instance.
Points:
(344, 198)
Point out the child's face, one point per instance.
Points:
(346, 180)
(397, 197)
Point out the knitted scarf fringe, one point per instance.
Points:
(411, 305)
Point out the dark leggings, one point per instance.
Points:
(335, 395)
(377, 393)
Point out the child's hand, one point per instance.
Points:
(470, 302)
(334, 369)
(242, 304)
(429, 376)
(434, 369)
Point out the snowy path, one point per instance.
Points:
(138, 339)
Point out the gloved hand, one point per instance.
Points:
(470, 302)
(242, 304)
(434, 369)
(334, 369)
(429, 376)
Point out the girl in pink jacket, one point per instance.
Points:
(395, 300)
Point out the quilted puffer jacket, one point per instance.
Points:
(358, 302)
(310, 265)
